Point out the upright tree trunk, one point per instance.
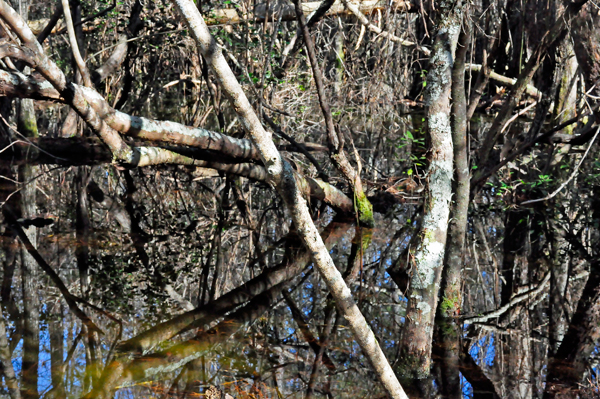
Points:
(427, 260)
(452, 277)
(29, 269)
(449, 326)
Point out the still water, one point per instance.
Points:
(139, 288)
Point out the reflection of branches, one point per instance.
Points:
(572, 358)
(57, 391)
(475, 375)
(6, 366)
(510, 331)
(24, 184)
(69, 298)
(514, 301)
(170, 359)
(304, 328)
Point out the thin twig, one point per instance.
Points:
(85, 74)
(515, 116)
(571, 177)
(299, 146)
(514, 301)
(69, 298)
(365, 22)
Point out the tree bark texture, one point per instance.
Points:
(452, 276)
(427, 259)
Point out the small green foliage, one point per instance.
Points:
(450, 305)
(423, 76)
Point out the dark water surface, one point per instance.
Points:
(144, 298)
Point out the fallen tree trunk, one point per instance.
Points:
(35, 87)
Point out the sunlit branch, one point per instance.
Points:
(530, 90)
(512, 303)
(85, 74)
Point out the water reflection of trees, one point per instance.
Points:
(182, 271)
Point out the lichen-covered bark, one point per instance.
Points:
(449, 328)
(428, 257)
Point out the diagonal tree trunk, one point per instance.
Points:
(281, 176)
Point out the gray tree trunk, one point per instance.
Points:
(427, 259)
